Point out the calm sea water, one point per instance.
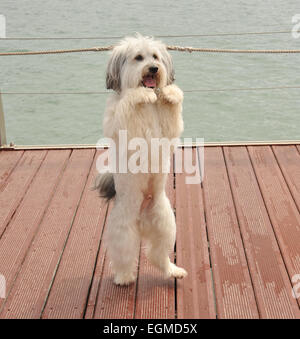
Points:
(216, 116)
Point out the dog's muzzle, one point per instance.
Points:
(150, 79)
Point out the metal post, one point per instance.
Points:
(3, 141)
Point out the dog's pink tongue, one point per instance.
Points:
(149, 81)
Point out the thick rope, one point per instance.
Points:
(171, 48)
(61, 51)
(215, 50)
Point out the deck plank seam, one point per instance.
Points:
(241, 233)
(175, 289)
(174, 251)
(213, 282)
(271, 223)
(99, 285)
(99, 265)
(13, 168)
(67, 238)
(24, 194)
(174, 173)
(95, 264)
(285, 180)
(137, 283)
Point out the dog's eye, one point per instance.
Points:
(139, 57)
(155, 56)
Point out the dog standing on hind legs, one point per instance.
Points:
(146, 104)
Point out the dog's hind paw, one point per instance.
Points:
(124, 279)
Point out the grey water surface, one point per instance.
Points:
(245, 115)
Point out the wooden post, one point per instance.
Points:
(2, 125)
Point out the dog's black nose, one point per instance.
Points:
(153, 69)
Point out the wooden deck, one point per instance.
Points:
(238, 236)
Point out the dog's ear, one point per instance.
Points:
(113, 72)
(167, 61)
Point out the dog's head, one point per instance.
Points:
(139, 61)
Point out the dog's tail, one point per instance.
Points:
(105, 185)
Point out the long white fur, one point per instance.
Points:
(146, 113)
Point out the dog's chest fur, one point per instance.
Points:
(147, 122)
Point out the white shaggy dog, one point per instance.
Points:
(147, 105)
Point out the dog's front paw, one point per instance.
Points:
(146, 96)
(172, 94)
(139, 95)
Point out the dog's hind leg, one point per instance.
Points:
(122, 237)
(123, 243)
(159, 229)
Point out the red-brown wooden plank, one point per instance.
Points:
(14, 188)
(288, 159)
(282, 210)
(8, 161)
(113, 302)
(106, 300)
(234, 292)
(97, 278)
(155, 297)
(31, 287)
(270, 279)
(155, 294)
(195, 297)
(93, 295)
(70, 289)
(21, 230)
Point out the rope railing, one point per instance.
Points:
(61, 51)
(216, 50)
(185, 91)
(171, 48)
